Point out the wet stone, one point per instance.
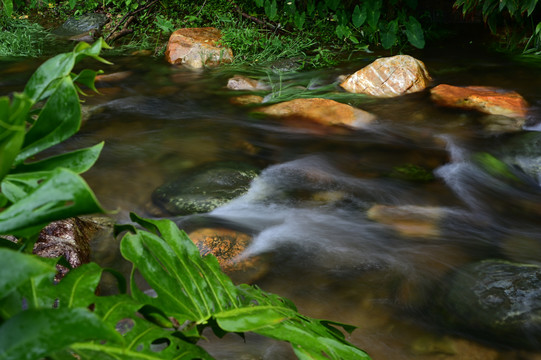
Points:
(205, 188)
(82, 24)
(497, 300)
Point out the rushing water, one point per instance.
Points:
(309, 210)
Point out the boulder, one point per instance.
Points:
(197, 47)
(239, 82)
(321, 111)
(77, 28)
(389, 77)
(497, 300)
(205, 188)
(485, 99)
(228, 247)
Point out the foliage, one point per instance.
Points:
(35, 193)
(191, 293)
(385, 23)
(512, 19)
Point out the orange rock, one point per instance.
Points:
(415, 221)
(481, 98)
(321, 111)
(389, 77)
(117, 76)
(228, 246)
(246, 100)
(197, 47)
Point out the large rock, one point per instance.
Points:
(75, 27)
(485, 99)
(498, 300)
(409, 220)
(228, 247)
(321, 111)
(205, 188)
(197, 47)
(389, 77)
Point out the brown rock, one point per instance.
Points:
(114, 77)
(411, 220)
(228, 246)
(389, 77)
(246, 100)
(321, 111)
(481, 98)
(239, 82)
(197, 47)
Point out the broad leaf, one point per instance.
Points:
(33, 334)
(389, 35)
(12, 129)
(359, 16)
(414, 32)
(41, 84)
(373, 13)
(78, 287)
(7, 7)
(59, 119)
(201, 291)
(19, 267)
(77, 161)
(63, 194)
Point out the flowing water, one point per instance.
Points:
(357, 226)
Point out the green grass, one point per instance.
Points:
(19, 37)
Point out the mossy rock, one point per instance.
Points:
(81, 24)
(205, 188)
(497, 300)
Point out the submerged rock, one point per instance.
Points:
(389, 77)
(239, 82)
(228, 247)
(497, 300)
(205, 188)
(75, 27)
(321, 111)
(246, 100)
(196, 48)
(484, 99)
(409, 220)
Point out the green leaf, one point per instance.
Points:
(202, 292)
(332, 4)
(61, 195)
(7, 7)
(271, 9)
(389, 35)
(359, 16)
(373, 12)
(299, 20)
(87, 78)
(32, 334)
(42, 82)
(176, 264)
(18, 267)
(530, 6)
(12, 129)
(59, 119)
(414, 32)
(77, 161)
(78, 287)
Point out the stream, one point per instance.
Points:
(364, 226)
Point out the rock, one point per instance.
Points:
(496, 299)
(228, 247)
(409, 220)
(389, 77)
(246, 100)
(197, 47)
(113, 77)
(239, 82)
(485, 99)
(69, 238)
(321, 111)
(205, 188)
(76, 28)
